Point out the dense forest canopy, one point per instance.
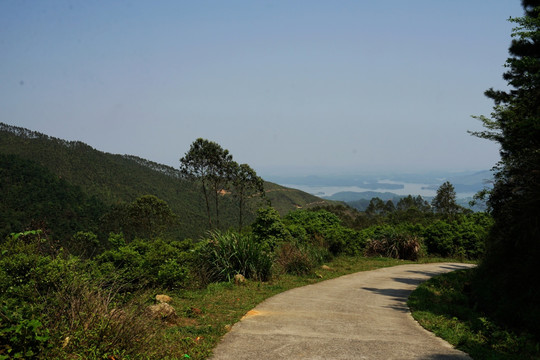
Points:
(121, 179)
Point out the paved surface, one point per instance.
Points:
(358, 316)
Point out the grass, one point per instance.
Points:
(202, 317)
(206, 315)
(445, 306)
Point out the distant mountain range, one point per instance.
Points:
(389, 186)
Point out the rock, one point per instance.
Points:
(239, 279)
(161, 310)
(163, 298)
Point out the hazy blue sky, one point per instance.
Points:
(287, 86)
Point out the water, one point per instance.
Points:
(408, 189)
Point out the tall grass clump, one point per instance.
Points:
(225, 254)
(92, 320)
(395, 244)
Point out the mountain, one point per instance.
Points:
(114, 179)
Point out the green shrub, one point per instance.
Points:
(315, 223)
(149, 262)
(322, 228)
(439, 238)
(85, 244)
(463, 237)
(224, 255)
(170, 274)
(22, 334)
(268, 229)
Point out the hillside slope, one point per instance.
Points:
(117, 178)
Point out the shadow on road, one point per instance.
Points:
(398, 295)
(446, 357)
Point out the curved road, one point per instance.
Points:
(357, 316)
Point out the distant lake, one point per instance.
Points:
(408, 189)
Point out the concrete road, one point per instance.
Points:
(358, 316)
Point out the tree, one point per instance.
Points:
(444, 202)
(413, 203)
(509, 269)
(149, 216)
(246, 183)
(209, 163)
(376, 206)
(389, 207)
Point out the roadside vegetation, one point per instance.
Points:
(80, 274)
(99, 300)
(447, 306)
(80, 277)
(493, 312)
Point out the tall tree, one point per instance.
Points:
(376, 206)
(246, 183)
(444, 202)
(413, 203)
(209, 163)
(510, 266)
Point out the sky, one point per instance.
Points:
(289, 87)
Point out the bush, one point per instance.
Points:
(323, 229)
(52, 308)
(462, 237)
(143, 262)
(394, 244)
(293, 259)
(22, 335)
(268, 229)
(300, 259)
(224, 255)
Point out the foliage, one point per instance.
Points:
(509, 269)
(22, 334)
(92, 321)
(445, 305)
(143, 263)
(246, 183)
(323, 229)
(207, 162)
(112, 180)
(30, 196)
(56, 306)
(85, 244)
(398, 244)
(223, 255)
(463, 237)
(444, 203)
(149, 217)
(294, 258)
(268, 229)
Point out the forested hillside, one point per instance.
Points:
(115, 179)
